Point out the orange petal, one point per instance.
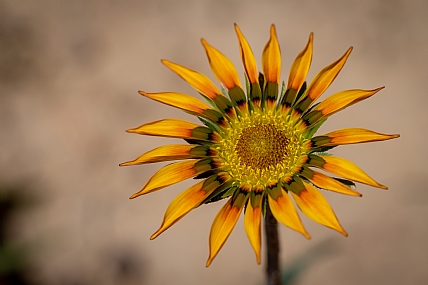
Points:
(321, 82)
(168, 175)
(163, 153)
(197, 80)
(326, 76)
(221, 66)
(166, 127)
(221, 228)
(178, 100)
(300, 68)
(313, 204)
(328, 183)
(271, 58)
(172, 152)
(284, 211)
(346, 169)
(252, 222)
(248, 59)
(176, 128)
(187, 201)
(343, 99)
(355, 135)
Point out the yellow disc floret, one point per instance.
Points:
(261, 147)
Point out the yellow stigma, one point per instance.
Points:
(261, 147)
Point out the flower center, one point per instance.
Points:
(261, 146)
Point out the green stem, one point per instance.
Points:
(272, 242)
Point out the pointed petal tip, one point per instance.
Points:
(210, 259)
(131, 131)
(156, 234)
(204, 42)
(135, 195)
(306, 235)
(126, 163)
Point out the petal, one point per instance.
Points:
(313, 204)
(248, 59)
(197, 80)
(343, 99)
(176, 172)
(252, 222)
(298, 72)
(189, 104)
(204, 86)
(326, 182)
(300, 68)
(172, 152)
(343, 168)
(322, 81)
(188, 200)
(223, 225)
(178, 100)
(176, 128)
(284, 211)
(350, 136)
(221, 66)
(168, 175)
(271, 58)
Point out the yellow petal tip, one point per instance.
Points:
(135, 195)
(131, 131)
(210, 259)
(155, 235)
(306, 235)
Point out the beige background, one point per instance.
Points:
(70, 75)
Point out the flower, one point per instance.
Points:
(258, 148)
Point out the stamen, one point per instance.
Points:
(261, 146)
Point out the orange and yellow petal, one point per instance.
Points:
(178, 100)
(188, 200)
(222, 67)
(247, 56)
(328, 183)
(271, 58)
(163, 153)
(343, 168)
(168, 175)
(300, 68)
(176, 128)
(223, 225)
(172, 152)
(252, 222)
(350, 136)
(313, 204)
(284, 211)
(322, 81)
(343, 99)
(195, 79)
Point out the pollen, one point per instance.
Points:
(261, 148)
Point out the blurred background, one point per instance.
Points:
(70, 72)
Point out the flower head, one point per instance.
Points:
(258, 148)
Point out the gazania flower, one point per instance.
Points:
(256, 149)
